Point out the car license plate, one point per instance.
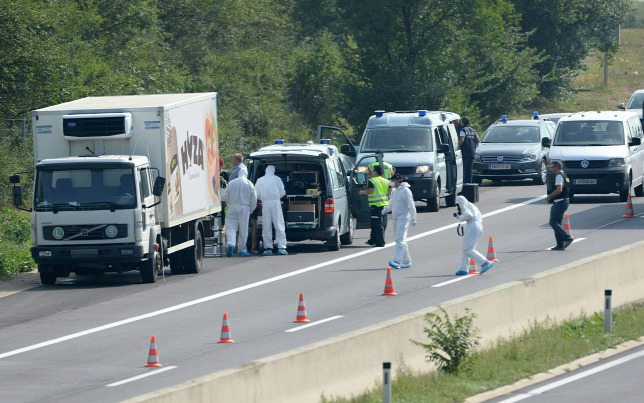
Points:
(499, 166)
(584, 181)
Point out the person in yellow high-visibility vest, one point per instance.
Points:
(378, 196)
(388, 170)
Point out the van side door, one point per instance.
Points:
(451, 167)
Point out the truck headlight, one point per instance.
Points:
(616, 162)
(529, 157)
(424, 169)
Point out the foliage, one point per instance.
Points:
(15, 230)
(635, 17)
(452, 342)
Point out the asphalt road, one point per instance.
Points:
(87, 338)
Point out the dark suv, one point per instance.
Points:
(317, 204)
(511, 149)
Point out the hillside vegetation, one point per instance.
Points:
(282, 67)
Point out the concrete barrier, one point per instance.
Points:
(351, 363)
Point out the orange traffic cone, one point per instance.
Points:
(153, 355)
(301, 312)
(566, 225)
(225, 331)
(472, 269)
(491, 254)
(389, 284)
(629, 207)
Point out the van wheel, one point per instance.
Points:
(347, 237)
(151, 268)
(333, 243)
(193, 256)
(433, 204)
(541, 180)
(639, 190)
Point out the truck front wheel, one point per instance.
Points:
(47, 275)
(151, 268)
(193, 256)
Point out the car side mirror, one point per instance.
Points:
(635, 141)
(443, 148)
(621, 105)
(546, 142)
(159, 184)
(346, 149)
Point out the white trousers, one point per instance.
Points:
(237, 218)
(401, 251)
(272, 216)
(473, 232)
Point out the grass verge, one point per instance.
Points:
(538, 349)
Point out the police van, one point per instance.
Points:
(601, 152)
(422, 146)
(316, 205)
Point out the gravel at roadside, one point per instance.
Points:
(18, 282)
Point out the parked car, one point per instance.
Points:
(635, 104)
(601, 152)
(317, 204)
(511, 149)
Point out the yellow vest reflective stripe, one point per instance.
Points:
(380, 195)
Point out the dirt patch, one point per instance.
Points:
(18, 282)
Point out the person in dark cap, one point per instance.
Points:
(403, 210)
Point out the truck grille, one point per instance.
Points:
(83, 232)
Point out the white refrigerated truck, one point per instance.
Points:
(100, 200)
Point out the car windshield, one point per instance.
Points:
(396, 139)
(511, 134)
(96, 188)
(591, 133)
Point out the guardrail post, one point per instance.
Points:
(386, 384)
(608, 314)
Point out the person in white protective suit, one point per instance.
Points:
(470, 214)
(270, 190)
(403, 210)
(241, 198)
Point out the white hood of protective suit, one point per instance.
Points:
(240, 191)
(401, 202)
(469, 212)
(269, 187)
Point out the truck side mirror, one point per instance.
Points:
(15, 178)
(546, 142)
(17, 195)
(159, 184)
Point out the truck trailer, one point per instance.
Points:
(101, 201)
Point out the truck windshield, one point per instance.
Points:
(589, 133)
(84, 189)
(396, 139)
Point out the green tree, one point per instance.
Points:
(565, 31)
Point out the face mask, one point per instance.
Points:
(392, 183)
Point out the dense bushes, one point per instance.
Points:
(14, 242)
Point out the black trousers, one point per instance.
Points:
(377, 236)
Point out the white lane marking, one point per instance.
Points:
(581, 375)
(295, 329)
(242, 288)
(136, 378)
(454, 280)
(573, 241)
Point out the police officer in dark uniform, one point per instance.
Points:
(559, 199)
(468, 140)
